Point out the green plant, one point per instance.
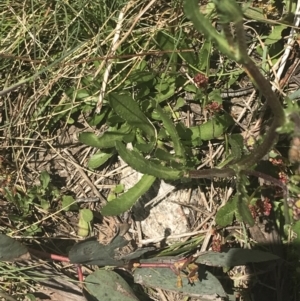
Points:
(170, 273)
(42, 196)
(150, 125)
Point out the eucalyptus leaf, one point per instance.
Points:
(90, 251)
(105, 285)
(234, 257)
(11, 250)
(207, 288)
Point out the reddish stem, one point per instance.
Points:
(79, 273)
(46, 255)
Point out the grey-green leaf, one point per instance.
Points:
(127, 199)
(105, 285)
(235, 257)
(10, 249)
(90, 251)
(206, 288)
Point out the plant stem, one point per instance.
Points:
(241, 56)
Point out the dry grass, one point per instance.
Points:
(58, 62)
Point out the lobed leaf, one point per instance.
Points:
(139, 163)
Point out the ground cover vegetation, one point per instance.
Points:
(198, 96)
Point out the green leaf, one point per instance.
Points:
(169, 126)
(127, 199)
(211, 129)
(203, 25)
(164, 155)
(236, 142)
(44, 204)
(118, 188)
(68, 203)
(165, 41)
(141, 77)
(244, 211)
(207, 288)
(166, 89)
(107, 140)
(11, 250)
(296, 229)
(234, 257)
(226, 213)
(97, 118)
(100, 158)
(83, 228)
(129, 110)
(257, 14)
(204, 55)
(139, 163)
(275, 35)
(45, 179)
(179, 104)
(82, 94)
(86, 215)
(104, 285)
